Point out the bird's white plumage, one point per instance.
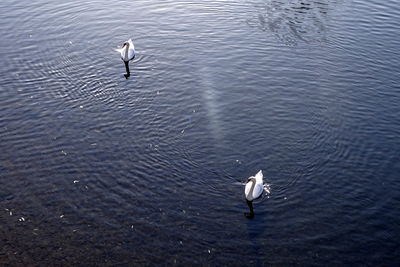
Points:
(252, 192)
(127, 51)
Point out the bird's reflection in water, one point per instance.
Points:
(249, 215)
(128, 73)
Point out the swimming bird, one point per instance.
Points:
(253, 190)
(127, 53)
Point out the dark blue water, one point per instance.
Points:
(96, 169)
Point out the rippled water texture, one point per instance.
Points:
(96, 169)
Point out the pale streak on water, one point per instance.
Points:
(211, 99)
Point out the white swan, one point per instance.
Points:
(254, 186)
(127, 51)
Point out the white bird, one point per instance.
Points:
(127, 51)
(254, 186)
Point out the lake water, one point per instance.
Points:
(96, 169)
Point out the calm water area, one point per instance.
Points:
(99, 170)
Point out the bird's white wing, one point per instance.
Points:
(121, 52)
(259, 177)
(258, 189)
(131, 45)
(131, 54)
(131, 51)
(247, 188)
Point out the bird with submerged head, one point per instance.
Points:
(127, 52)
(253, 190)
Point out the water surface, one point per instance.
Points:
(96, 169)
